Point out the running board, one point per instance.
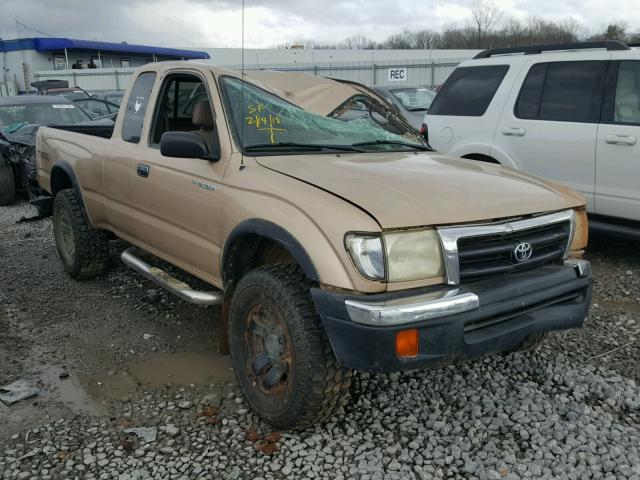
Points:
(172, 284)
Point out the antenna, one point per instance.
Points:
(242, 90)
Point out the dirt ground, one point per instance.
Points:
(116, 336)
(96, 346)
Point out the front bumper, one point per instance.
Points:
(486, 316)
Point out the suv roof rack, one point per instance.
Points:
(532, 49)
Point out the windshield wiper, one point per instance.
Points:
(417, 146)
(302, 146)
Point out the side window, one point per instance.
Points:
(137, 107)
(573, 91)
(528, 103)
(626, 104)
(468, 91)
(183, 106)
(95, 108)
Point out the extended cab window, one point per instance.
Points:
(626, 104)
(562, 91)
(136, 108)
(183, 106)
(263, 122)
(468, 91)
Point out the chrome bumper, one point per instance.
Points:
(427, 306)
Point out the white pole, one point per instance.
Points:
(66, 59)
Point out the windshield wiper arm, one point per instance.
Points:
(303, 146)
(417, 146)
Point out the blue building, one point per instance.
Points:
(20, 59)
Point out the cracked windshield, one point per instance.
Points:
(261, 120)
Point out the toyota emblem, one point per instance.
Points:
(523, 252)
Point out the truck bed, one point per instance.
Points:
(104, 131)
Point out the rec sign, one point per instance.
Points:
(398, 74)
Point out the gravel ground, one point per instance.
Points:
(116, 353)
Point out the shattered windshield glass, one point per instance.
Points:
(264, 122)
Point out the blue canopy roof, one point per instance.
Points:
(50, 44)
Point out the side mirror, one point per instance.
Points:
(186, 145)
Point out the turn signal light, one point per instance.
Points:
(407, 343)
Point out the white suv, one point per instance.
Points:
(567, 112)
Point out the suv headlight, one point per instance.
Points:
(399, 256)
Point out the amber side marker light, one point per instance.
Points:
(407, 343)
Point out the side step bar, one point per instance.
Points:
(172, 284)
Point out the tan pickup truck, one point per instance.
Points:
(333, 238)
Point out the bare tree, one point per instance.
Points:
(614, 31)
(485, 15)
(358, 42)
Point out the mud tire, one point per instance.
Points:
(317, 386)
(83, 250)
(7, 184)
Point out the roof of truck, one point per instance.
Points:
(319, 95)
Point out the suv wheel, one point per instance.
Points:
(7, 184)
(281, 354)
(84, 251)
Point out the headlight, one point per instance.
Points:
(367, 255)
(581, 230)
(410, 255)
(413, 255)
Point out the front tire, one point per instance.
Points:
(280, 351)
(84, 251)
(7, 184)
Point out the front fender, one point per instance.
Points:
(276, 233)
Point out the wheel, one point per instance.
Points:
(84, 251)
(280, 352)
(7, 184)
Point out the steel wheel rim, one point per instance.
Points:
(64, 237)
(268, 350)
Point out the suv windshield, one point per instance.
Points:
(263, 122)
(51, 113)
(414, 99)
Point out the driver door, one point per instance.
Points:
(178, 199)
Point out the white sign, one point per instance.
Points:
(398, 74)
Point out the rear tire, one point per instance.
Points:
(280, 351)
(84, 251)
(7, 184)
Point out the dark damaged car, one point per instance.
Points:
(20, 118)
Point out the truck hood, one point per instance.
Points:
(416, 189)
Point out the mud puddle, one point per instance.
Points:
(68, 389)
(157, 370)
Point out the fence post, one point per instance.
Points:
(433, 73)
(117, 83)
(373, 71)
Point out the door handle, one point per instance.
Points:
(514, 132)
(628, 140)
(143, 170)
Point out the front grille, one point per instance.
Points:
(481, 256)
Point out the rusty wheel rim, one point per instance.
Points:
(268, 348)
(64, 237)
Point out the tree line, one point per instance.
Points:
(485, 29)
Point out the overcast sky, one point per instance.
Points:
(213, 23)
